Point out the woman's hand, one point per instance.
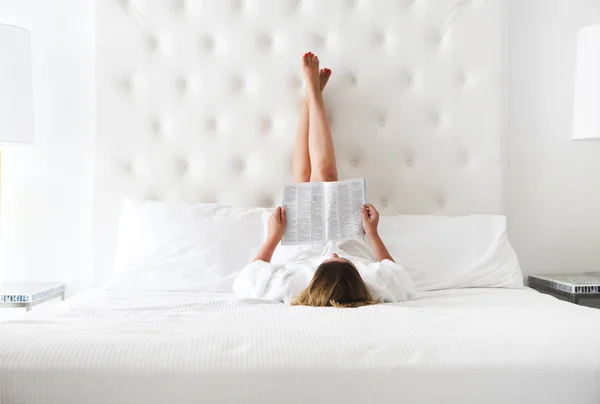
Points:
(275, 230)
(276, 225)
(370, 219)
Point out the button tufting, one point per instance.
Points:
(266, 125)
(207, 43)
(183, 167)
(155, 125)
(265, 42)
(165, 33)
(296, 82)
(239, 4)
(181, 84)
(126, 84)
(179, 6)
(320, 40)
(211, 124)
(151, 43)
(127, 168)
(237, 84)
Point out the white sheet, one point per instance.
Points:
(459, 346)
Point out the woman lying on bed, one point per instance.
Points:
(344, 274)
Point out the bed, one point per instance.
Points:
(197, 101)
(455, 346)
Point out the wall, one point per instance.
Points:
(554, 206)
(45, 226)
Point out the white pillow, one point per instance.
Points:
(453, 252)
(181, 247)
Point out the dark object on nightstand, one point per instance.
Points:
(572, 287)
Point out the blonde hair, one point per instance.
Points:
(335, 284)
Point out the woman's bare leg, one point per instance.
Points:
(301, 158)
(320, 144)
(301, 167)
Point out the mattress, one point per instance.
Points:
(456, 346)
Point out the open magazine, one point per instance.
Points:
(321, 211)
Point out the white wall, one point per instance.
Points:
(554, 183)
(45, 226)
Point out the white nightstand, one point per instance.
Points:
(29, 294)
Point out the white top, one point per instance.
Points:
(387, 281)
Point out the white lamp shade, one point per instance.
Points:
(586, 113)
(16, 93)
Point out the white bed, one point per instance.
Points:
(198, 102)
(455, 346)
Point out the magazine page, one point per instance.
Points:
(305, 213)
(343, 208)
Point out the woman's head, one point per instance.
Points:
(336, 283)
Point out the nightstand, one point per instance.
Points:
(29, 294)
(571, 287)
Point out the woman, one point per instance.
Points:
(337, 280)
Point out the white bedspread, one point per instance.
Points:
(463, 346)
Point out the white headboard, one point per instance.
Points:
(198, 101)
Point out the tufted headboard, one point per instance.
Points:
(198, 101)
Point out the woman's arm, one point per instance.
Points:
(370, 223)
(275, 230)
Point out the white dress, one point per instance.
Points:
(386, 280)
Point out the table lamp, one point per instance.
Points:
(16, 93)
(586, 109)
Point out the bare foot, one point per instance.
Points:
(310, 66)
(324, 76)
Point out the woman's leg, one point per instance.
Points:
(301, 167)
(301, 158)
(320, 144)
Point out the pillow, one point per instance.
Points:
(181, 247)
(453, 252)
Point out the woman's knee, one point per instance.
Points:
(301, 175)
(325, 173)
